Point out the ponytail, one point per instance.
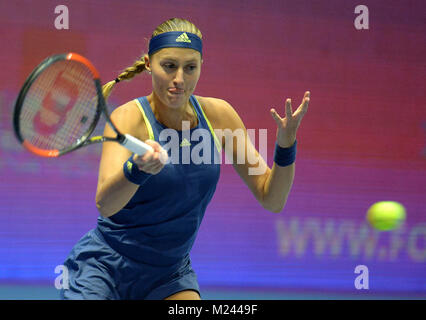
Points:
(126, 74)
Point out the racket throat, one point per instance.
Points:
(121, 139)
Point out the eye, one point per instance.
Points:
(191, 67)
(169, 65)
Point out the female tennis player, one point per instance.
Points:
(150, 207)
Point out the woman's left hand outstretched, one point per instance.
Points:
(287, 126)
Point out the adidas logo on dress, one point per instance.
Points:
(185, 143)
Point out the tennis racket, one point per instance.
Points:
(59, 107)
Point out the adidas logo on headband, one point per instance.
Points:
(183, 38)
(175, 39)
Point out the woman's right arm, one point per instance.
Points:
(114, 190)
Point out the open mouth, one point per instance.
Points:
(176, 91)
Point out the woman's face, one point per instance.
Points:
(175, 73)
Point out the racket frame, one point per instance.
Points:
(100, 108)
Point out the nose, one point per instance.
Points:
(178, 80)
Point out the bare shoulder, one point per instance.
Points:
(219, 112)
(125, 112)
(128, 119)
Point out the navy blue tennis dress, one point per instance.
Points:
(142, 251)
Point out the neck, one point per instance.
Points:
(172, 117)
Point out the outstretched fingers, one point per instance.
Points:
(276, 116)
(303, 108)
(289, 115)
(288, 110)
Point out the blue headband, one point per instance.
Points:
(175, 39)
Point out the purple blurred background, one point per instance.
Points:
(362, 140)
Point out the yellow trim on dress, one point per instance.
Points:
(148, 124)
(216, 140)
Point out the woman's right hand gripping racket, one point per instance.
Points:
(59, 107)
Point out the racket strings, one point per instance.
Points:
(60, 106)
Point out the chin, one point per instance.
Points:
(177, 101)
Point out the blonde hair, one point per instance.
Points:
(174, 24)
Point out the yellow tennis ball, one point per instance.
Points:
(386, 215)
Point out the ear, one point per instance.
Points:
(147, 63)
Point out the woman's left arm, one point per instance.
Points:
(270, 186)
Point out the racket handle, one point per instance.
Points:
(135, 145)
